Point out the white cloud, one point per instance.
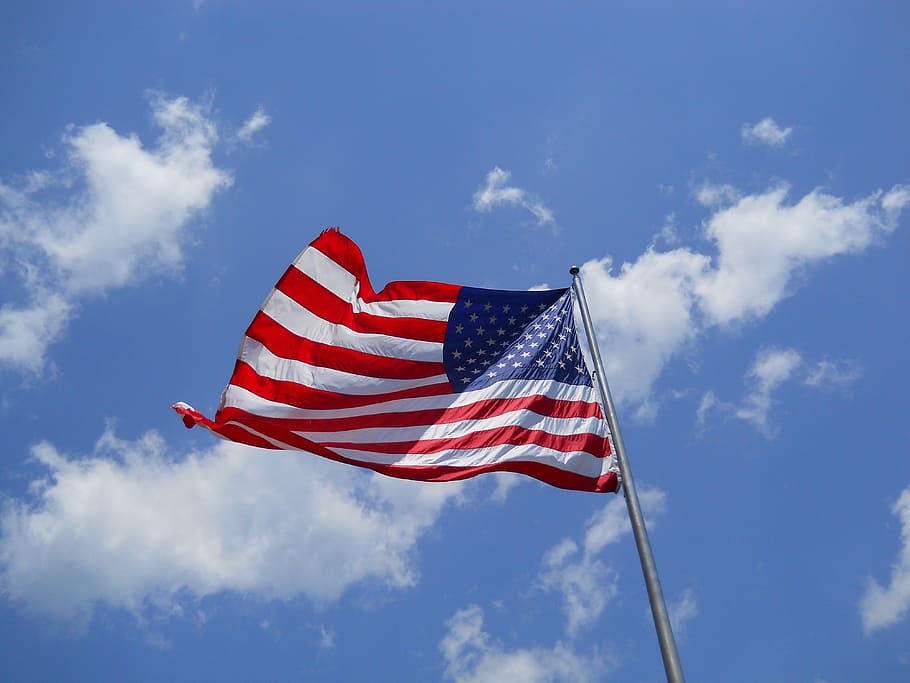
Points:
(657, 305)
(115, 212)
(133, 528)
(643, 315)
(495, 192)
(25, 333)
(765, 132)
(471, 656)
(682, 611)
(762, 242)
(586, 583)
(883, 607)
(713, 196)
(253, 125)
(833, 374)
(708, 404)
(771, 368)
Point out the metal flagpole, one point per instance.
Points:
(648, 566)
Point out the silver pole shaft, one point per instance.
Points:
(648, 566)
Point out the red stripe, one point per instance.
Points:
(323, 303)
(300, 396)
(285, 344)
(512, 435)
(542, 405)
(348, 255)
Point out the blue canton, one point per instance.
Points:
(493, 335)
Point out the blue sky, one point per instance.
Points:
(732, 180)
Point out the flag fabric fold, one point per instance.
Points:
(421, 380)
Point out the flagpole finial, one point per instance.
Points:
(573, 270)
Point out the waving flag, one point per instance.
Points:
(421, 380)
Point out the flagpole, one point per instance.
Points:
(648, 566)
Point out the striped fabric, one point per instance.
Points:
(421, 380)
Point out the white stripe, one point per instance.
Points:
(269, 365)
(345, 286)
(526, 419)
(297, 319)
(238, 397)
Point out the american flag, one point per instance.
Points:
(422, 380)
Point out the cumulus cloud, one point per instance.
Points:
(762, 242)
(253, 125)
(643, 314)
(647, 311)
(882, 607)
(771, 368)
(131, 527)
(585, 582)
(765, 132)
(115, 211)
(472, 656)
(495, 192)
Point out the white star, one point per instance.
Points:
(469, 343)
(506, 308)
(456, 354)
(459, 328)
(468, 303)
(487, 307)
(491, 374)
(516, 365)
(480, 331)
(500, 331)
(526, 354)
(473, 317)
